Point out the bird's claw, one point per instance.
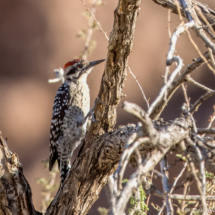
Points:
(92, 116)
(91, 112)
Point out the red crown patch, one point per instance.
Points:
(70, 63)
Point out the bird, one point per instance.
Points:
(71, 111)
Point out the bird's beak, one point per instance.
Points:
(94, 63)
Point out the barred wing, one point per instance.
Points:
(61, 104)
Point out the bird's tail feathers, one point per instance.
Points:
(53, 157)
(64, 170)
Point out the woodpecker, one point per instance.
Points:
(70, 114)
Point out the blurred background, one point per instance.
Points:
(38, 36)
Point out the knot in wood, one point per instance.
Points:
(108, 83)
(130, 7)
(15, 159)
(109, 149)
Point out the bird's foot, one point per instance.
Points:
(90, 115)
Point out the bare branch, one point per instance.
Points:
(182, 197)
(140, 114)
(90, 29)
(157, 110)
(179, 175)
(93, 17)
(166, 186)
(208, 13)
(164, 91)
(191, 80)
(152, 158)
(144, 146)
(16, 197)
(201, 186)
(92, 14)
(206, 131)
(115, 68)
(163, 96)
(125, 159)
(121, 38)
(212, 57)
(59, 76)
(192, 17)
(196, 105)
(174, 185)
(184, 88)
(139, 86)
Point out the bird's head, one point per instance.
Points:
(78, 68)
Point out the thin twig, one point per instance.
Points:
(175, 85)
(149, 196)
(184, 88)
(169, 61)
(144, 96)
(125, 159)
(201, 186)
(176, 180)
(170, 35)
(95, 20)
(191, 80)
(211, 122)
(183, 197)
(162, 208)
(199, 52)
(158, 173)
(196, 105)
(169, 23)
(59, 76)
(93, 16)
(166, 186)
(181, 29)
(206, 130)
(212, 57)
(195, 206)
(203, 18)
(165, 88)
(186, 8)
(89, 32)
(174, 184)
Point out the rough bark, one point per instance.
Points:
(82, 187)
(206, 10)
(90, 173)
(15, 192)
(120, 46)
(92, 167)
(84, 184)
(103, 146)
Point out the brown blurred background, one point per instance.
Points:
(39, 36)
